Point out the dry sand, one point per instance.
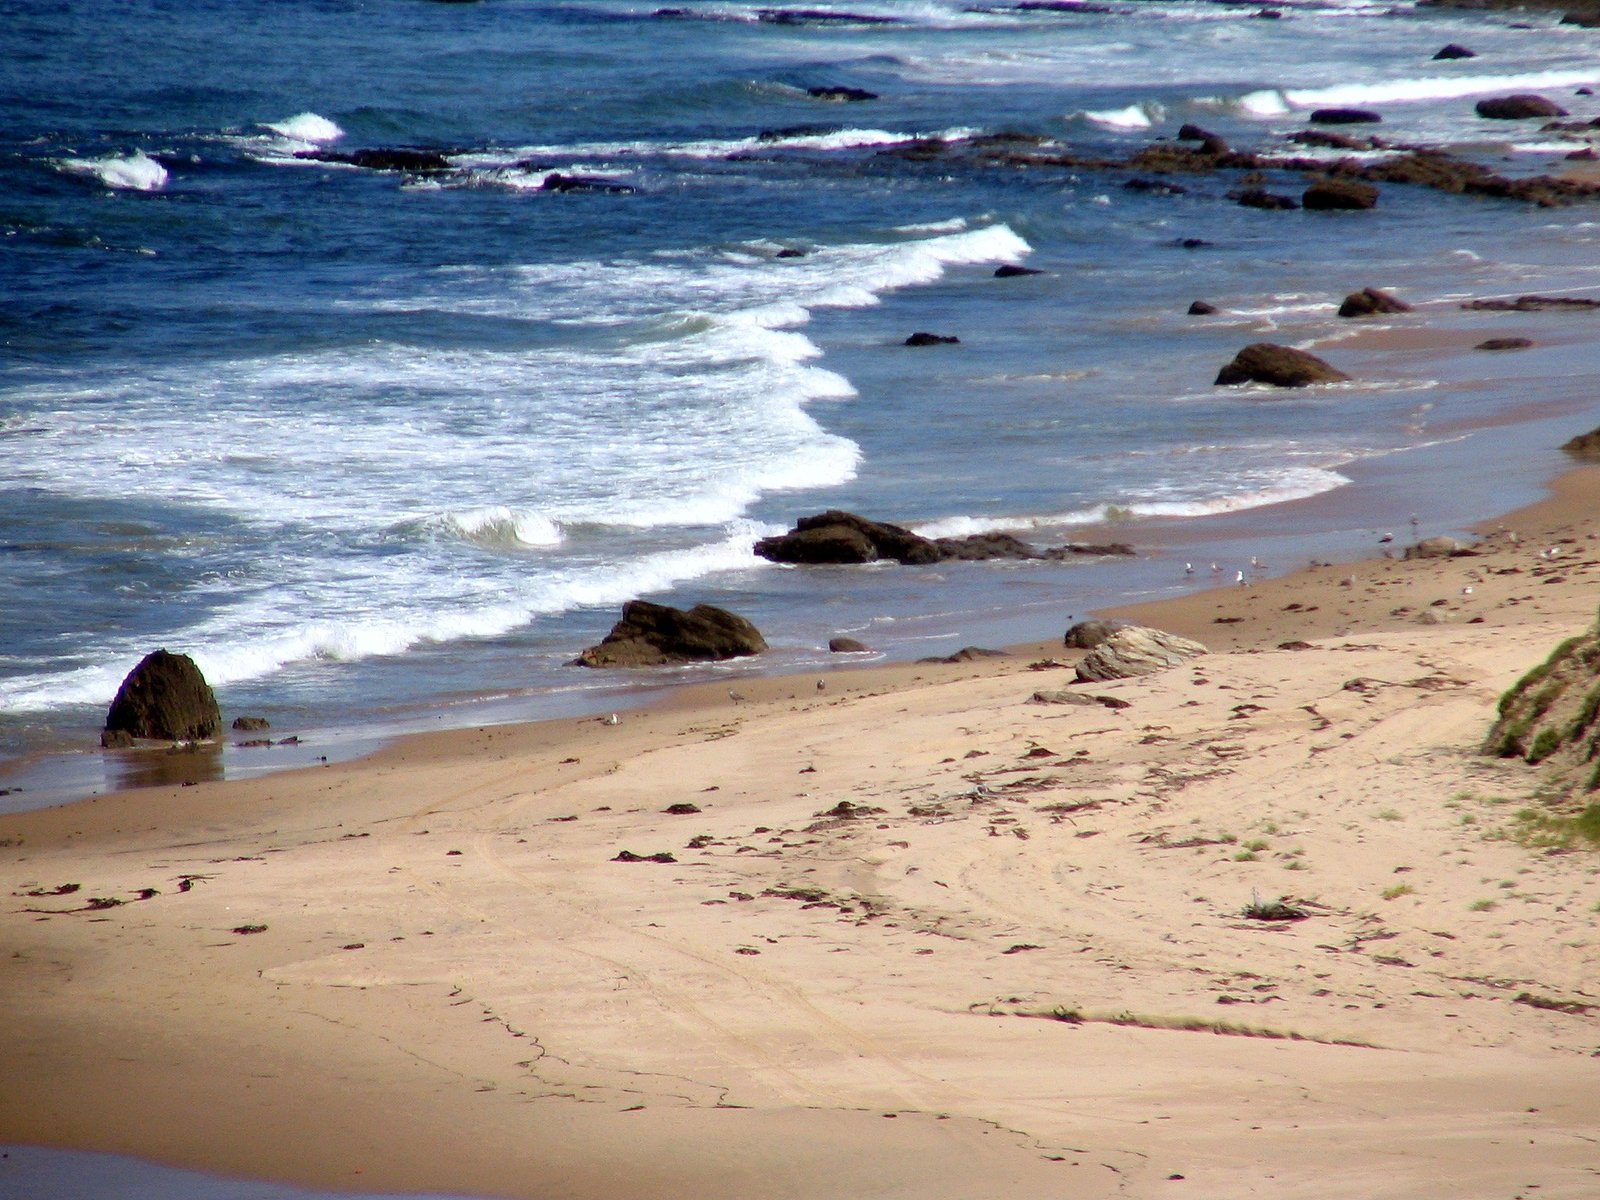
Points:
(884, 896)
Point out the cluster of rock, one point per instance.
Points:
(837, 537)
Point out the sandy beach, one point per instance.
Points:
(899, 931)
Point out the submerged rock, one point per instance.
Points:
(1333, 195)
(166, 698)
(1136, 650)
(1534, 304)
(1281, 366)
(932, 339)
(394, 158)
(845, 95)
(1344, 116)
(1013, 271)
(652, 635)
(1261, 198)
(1453, 50)
(1201, 308)
(1505, 343)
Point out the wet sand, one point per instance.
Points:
(915, 934)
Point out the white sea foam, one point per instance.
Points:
(306, 127)
(498, 525)
(1294, 483)
(1277, 102)
(1134, 116)
(136, 172)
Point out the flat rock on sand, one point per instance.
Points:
(1136, 651)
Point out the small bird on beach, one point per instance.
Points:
(1188, 568)
(1467, 591)
(735, 696)
(613, 719)
(1216, 569)
(822, 685)
(1238, 578)
(1386, 538)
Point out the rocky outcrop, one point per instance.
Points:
(1453, 50)
(932, 339)
(1520, 107)
(838, 537)
(165, 698)
(1136, 650)
(653, 635)
(394, 158)
(1202, 308)
(1280, 366)
(1335, 195)
(1344, 116)
(1370, 302)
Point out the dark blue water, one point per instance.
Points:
(378, 447)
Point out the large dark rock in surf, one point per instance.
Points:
(1520, 107)
(1332, 195)
(654, 635)
(1453, 50)
(847, 645)
(1370, 302)
(836, 536)
(842, 538)
(1013, 271)
(1202, 308)
(932, 339)
(393, 158)
(1344, 116)
(165, 698)
(1281, 366)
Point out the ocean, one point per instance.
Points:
(384, 449)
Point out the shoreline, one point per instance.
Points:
(457, 990)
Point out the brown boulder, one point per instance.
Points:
(1520, 107)
(1585, 445)
(1086, 635)
(848, 645)
(1281, 366)
(165, 697)
(1201, 308)
(653, 635)
(1505, 343)
(1370, 301)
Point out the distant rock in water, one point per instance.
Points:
(848, 645)
(1520, 107)
(1551, 716)
(1453, 50)
(653, 635)
(932, 339)
(1344, 116)
(1535, 304)
(1012, 271)
(844, 95)
(1201, 308)
(251, 724)
(1371, 301)
(165, 698)
(1261, 198)
(1333, 195)
(557, 182)
(1505, 343)
(1281, 366)
(1585, 445)
(416, 162)
(1136, 650)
